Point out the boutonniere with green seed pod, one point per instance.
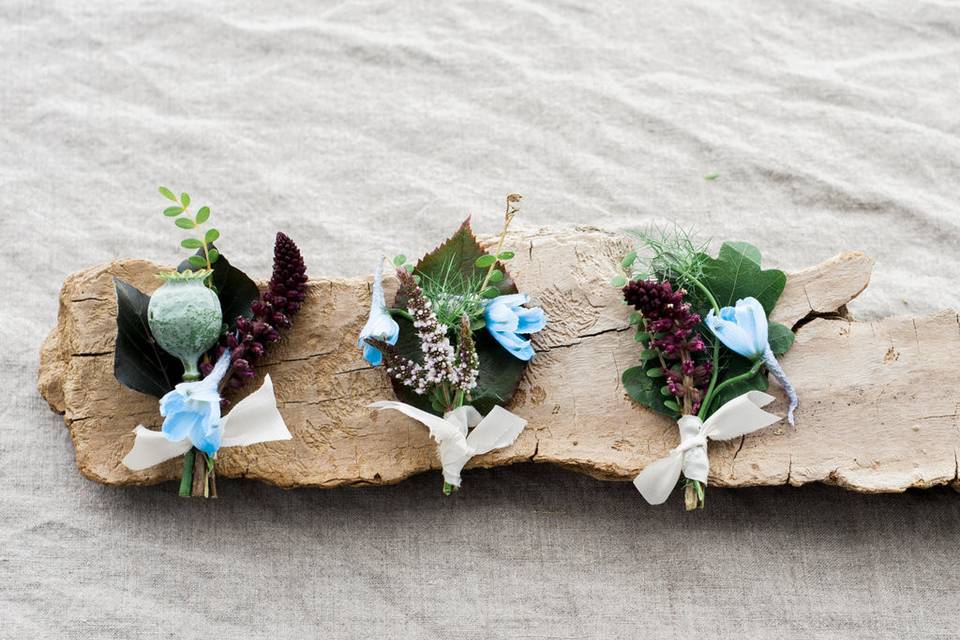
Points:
(455, 343)
(706, 348)
(196, 340)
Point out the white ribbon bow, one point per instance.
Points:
(254, 419)
(499, 429)
(740, 416)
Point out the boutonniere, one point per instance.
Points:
(455, 344)
(707, 346)
(198, 337)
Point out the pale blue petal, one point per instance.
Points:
(531, 320)
(517, 346)
(731, 335)
(207, 440)
(178, 426)
(372, 355)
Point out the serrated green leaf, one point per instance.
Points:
(506, 255)
(172, 211)
(399, 260)
(484, 261)
(185, 199)
(618, 281)
(212, 235)
(197, 261)
(496, 276)
(736, 274)
(191, 243)
(185, 223)
(166, 193)
(780, 337)
(655, 372)
(628, 260)
(203, 215)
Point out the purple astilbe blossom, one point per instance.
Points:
(272, 312)
(672, 326)
(468, 363)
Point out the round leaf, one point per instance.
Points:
(485, 261)
(197, 261)
(172, 211)
(203, 215)
(185, 223)
(191, 243)
(496, 276)
(656, 372)
(185, 199)
(619, 281)
(400, 260)
(490, 292)
(211, 236)
(214, 255)
(672, 404)
(628, 260)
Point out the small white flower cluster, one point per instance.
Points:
(438, 356)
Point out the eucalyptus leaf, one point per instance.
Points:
(496, 276)
(185, 223)
(655, 372)
(506, 255)
(618, 281)
(172, 211)
(203, 215)
(197, 262)
(400, 260)
(628, 260)
(211, 236)
(166, 193)
(191, 243)
(185, 200)
(138, 361)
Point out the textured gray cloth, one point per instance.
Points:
(376, 126)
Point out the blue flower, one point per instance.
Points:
(743, 329)
(380, 324)
(507, 320)
(192, 410)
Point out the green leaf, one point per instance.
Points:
(138, 361)
(172, 211)
(649, 354)
(191, 243)
(214, 255)
(203, 215)
(732, 366)
(409, 269)
(399, 260)
(484, 261)
(642, 337)
(736, 274)
(490, 292)
(234, 288)
(185, 199)
(672, 404)
(185, 223)
(461, 250)
(665, 391)
(197, 262)
(212, 235)
(506, 255)
(618, 281)
(628, 260)
(166, 193)
(645, 391)
(655, 372)
(711, 176)
(780, 338)
(496, 276)
(635, 318)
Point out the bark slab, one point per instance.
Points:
(875, 414)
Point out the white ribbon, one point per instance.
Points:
(254, 419)
(455, 445)
(740, 416)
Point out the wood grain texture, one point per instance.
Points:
(873, 417)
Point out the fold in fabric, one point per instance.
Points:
(738, 417)
(456, 443)
(254, 419)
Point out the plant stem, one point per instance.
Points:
(713, 393)
(403, 313)
(186, 476)
(508, 216)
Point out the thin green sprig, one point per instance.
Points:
(180, 212)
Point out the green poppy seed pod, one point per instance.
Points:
(185, 318)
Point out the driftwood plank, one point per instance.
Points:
(873, 414)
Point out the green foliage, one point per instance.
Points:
(735, 274)
(780, 337)
(183, 220)
(645, 389)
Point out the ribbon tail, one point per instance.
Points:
(773, 366)
(499, 429)
(740, 416)
(255, 419)
(659, 478)
(151, 448)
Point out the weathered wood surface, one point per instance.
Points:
(879, 403)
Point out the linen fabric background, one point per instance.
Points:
(369, 127)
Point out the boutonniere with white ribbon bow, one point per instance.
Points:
(462, 434)
(708, 345)
(208, 324)
(740, 416)
(429, 346)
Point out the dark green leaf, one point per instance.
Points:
(665, 391)
(185, 200)
(618, 281)
(645, 391)
(234, 288)
(496, 276)
(649, 354)
(736, 274)
(780, 338)
(191, 243)
(166, 193)
(185, 223)
(732, 366)
(214, 255)
(672, 404)
(461, 250)
(642, 337)
(490, 292)
(197, 262)
(655, 372)
(172, 211)
(138, 361)
(211, 236)
(484, 261)
(203, 215)
(506, 255)
(635, 317)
